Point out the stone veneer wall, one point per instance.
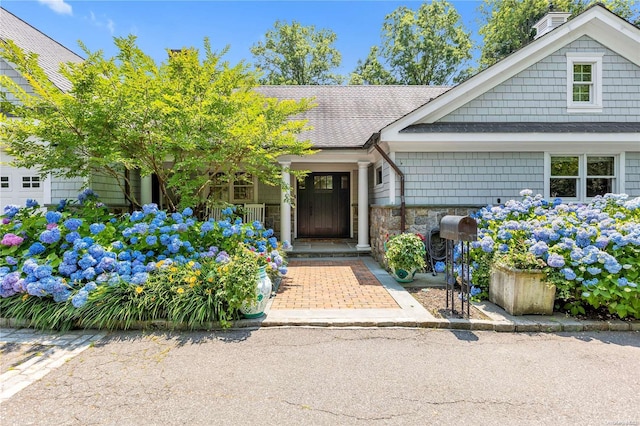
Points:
(385, 221)
(272, 218)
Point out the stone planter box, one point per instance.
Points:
(521, 292)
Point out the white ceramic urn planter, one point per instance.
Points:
(521, 292)
(263, 288)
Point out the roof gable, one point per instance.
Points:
(596, 22)
(50, 53)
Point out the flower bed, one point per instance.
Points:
(81, 266)
(591, 252)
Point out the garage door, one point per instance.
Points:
(17, 185)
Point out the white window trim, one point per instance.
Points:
(239, 200)
(229, 192)
(376, 183)
(618, 176)
(595, 59)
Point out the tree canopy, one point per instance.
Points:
(298, 55)
(187, 120)
(508, 24)
(424, 46)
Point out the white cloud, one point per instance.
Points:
(103, 22)
(58, 6)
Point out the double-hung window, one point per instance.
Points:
(584, 82)
(240, 189)
(580, 177)
(244, 186)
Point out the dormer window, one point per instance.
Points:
(584, 82)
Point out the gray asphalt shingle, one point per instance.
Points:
(50, 53)
(346, 116)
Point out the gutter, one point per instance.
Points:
(374, 140)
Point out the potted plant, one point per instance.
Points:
(517, 282)
(405, 254)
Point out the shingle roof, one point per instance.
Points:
(50, 52)
(525, 127)
(346, 116)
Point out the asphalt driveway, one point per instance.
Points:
(340, 376)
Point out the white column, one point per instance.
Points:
(363, 206)
(146, 190)
(285, 204)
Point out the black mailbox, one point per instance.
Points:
(458, 228)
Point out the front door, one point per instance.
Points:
(323, 206)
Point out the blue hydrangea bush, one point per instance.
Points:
(591, 252)
(79, 254)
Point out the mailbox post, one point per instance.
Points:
(459, 232)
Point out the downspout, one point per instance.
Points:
(399, 173)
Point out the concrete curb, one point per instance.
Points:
(410, 313)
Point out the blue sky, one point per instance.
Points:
(175, 24)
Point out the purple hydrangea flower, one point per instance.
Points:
(11, 240)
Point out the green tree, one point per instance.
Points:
(371, 71)
(188, 120)
(296, 54)
(424, 46)
(508, 24)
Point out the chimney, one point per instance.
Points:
(549, 22)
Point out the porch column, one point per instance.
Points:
(146, 190)
(285, 203)
(363, 206)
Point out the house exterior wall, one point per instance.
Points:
(66, 189)
(108, 190)
(270, 196)
(632, 174)
(6, 69)
(538, 94)
(380, 193)
(466, 178)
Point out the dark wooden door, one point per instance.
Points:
(323, 206)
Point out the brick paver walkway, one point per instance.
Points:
(335, 284)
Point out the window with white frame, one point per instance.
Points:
(579, 177)
(242, 189)
(378, 175)
(220, 187)
(584, 82)
(4, 182)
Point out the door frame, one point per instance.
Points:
(351, 188)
